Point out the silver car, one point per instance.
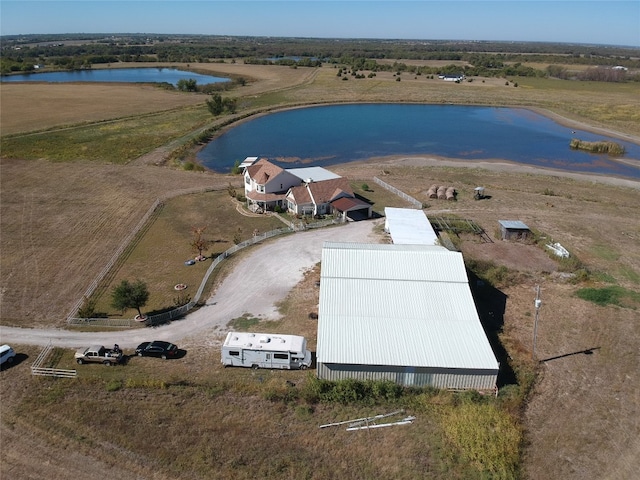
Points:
(7, 355)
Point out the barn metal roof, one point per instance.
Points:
(400, 305)
(409, 227)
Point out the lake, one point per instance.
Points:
(124, 75)
(336, 134)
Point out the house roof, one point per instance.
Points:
(409, 226)
(346, 204)
(400, 305)
(248, 162)
(264, 197)
(262, 170)
(321, 192)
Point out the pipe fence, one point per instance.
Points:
(164, 317)
(39, 370)
(127, 241)
(400, 193)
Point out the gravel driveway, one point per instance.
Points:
(257, 284)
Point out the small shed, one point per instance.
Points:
(514, 230)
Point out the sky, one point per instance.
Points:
(610, 22)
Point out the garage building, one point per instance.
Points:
(403, 313)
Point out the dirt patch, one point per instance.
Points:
(513, 255)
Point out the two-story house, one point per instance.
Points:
(301, 191)
(266, 184)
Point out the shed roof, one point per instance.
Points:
(400, 305)
(513, 224)
(409, 226)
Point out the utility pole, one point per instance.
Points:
(537, 304)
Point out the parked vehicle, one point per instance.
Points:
(157, 348)
(99, 354)
(264, 350)
(7, 355)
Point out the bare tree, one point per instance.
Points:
(199, 243)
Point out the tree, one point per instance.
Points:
(187, 85)
(130, 295)
(215, 105)
(230, 105)
(199, 243)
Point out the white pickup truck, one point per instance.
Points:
(99, 354)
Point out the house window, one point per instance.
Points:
(247, 180)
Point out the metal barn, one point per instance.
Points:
(403, 313)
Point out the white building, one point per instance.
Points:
(403, 313)
(409, 227)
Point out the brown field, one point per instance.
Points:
(60, 224)
(39, 106)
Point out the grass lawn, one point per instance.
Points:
(158, 255)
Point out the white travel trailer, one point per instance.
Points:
(265, 350)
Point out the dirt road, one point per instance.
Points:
(260, 281)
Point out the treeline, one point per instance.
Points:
(483, 67)
(22, 53)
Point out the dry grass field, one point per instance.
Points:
(61, 222)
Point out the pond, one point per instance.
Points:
(335, 134)
(123, 75)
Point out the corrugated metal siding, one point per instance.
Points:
(455, 379)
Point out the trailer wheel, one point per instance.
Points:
(255, 366)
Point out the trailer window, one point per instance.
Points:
(234, 353)
(281, 356)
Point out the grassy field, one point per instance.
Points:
(62, 220)
(158, 255)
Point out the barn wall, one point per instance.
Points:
(449, 378)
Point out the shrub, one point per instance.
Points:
(485, 437)
(610, 148)
(114, 385)
(87, 309)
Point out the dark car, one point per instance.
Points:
(157, 348)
